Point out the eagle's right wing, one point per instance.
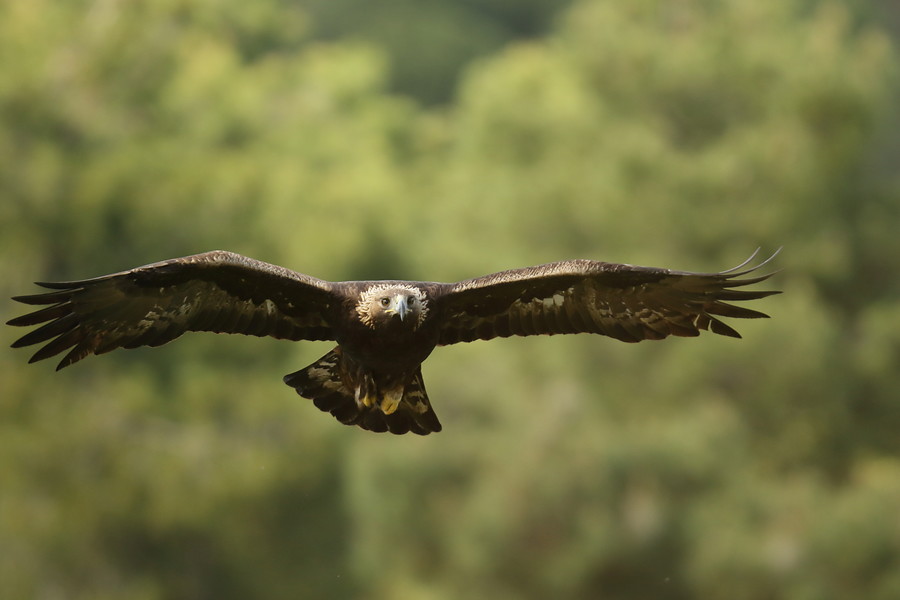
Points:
(148, 306)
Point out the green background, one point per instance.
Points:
(440, 141)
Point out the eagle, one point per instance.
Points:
(384, 330)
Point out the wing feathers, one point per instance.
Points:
(81, 350)
(151, 305)
(717, 326)
(738, 312)
(228, 293)
(48, 298)
(47, 331)
(626, 302)
(66, 340)
(42, 315)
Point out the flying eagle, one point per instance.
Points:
(383, 329)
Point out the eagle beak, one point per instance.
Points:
(400, 306)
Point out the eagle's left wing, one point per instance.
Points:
(626, 302)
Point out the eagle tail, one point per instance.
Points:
(327, 384)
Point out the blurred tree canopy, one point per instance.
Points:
(429, 42)
(427, 140)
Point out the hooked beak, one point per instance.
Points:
(400, 307)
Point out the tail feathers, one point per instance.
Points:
(325, 383)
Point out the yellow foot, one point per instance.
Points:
(391, 401)
(366, 400)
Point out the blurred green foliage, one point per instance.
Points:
(428, 140)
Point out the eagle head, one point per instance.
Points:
(381, 305)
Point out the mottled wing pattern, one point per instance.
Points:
(151, 305)
(626, 302)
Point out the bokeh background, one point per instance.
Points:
(439, 140)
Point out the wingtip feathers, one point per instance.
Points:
(736, 271)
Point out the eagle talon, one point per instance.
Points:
(363, 400)
(389, 405)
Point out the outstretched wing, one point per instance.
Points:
(626, 302)
(151, 305)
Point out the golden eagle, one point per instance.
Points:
(383, 329)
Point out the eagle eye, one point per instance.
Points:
(410, 300)
(385, 302)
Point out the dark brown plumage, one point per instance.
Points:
(383, 329)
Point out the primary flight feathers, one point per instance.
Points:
(383, 329)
